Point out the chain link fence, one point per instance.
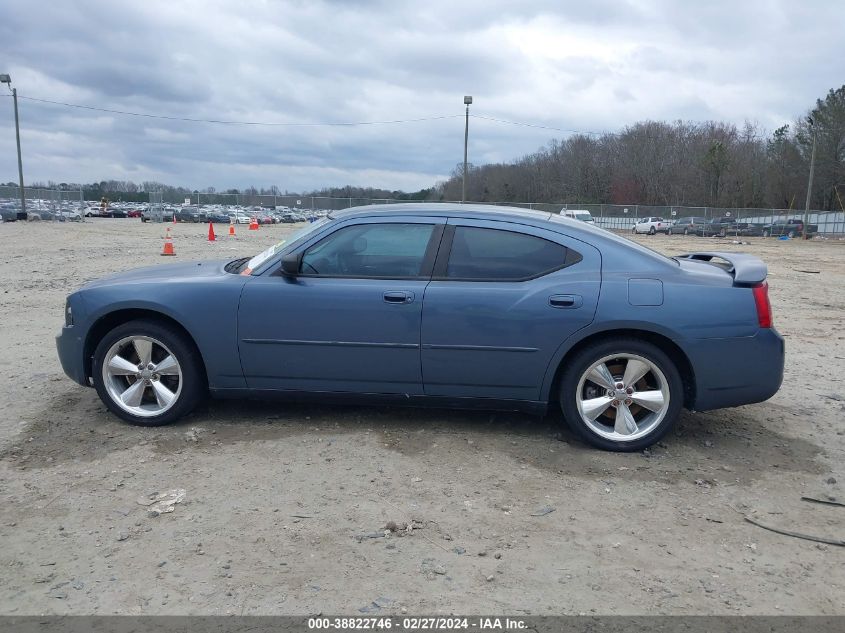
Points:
(50, 203)
(623, 217)
(42, 204)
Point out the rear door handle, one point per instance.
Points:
(398, 296)
(566, 301)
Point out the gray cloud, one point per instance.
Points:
(571, 64)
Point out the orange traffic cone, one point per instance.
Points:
(174, 218)
(232, 229)
(167, 249)
(253, 224)
(211, 236)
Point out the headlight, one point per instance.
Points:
(68, 314)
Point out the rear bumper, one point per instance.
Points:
(69, 344)
(734, 371)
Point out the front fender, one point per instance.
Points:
(208, 313)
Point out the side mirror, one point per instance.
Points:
(290, 264)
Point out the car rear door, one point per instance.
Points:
(350, 321)
(502, 299)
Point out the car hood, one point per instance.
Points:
(165, 273)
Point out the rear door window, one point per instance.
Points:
(482, 254)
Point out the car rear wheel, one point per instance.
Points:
(651, 231)
(686, 231)
(147, 373)
(622, 394)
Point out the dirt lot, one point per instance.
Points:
(285, 505)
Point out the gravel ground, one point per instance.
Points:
(285, 506)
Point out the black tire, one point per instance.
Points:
(765, 233)
(193, 381)
(579, 363)
(791, 234)
(634, 230)
(723, 233)
(652, 231)
(686, 231)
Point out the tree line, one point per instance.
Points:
(678, 164)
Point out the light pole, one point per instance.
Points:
(6, 79)
(810, 183)
(467, 101)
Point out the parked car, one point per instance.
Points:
(452, 305)
(158, 214)
(578, 214)
(651, 226)
(184, 214)
(9, 213)
(754, 229)
(793, 227)
(133, 213)
(723, 227)
(217, 217)
(70, 215)
(686, 226)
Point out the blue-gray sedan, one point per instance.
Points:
(451, 305)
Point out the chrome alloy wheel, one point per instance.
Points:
(623, 397)
(142, 376)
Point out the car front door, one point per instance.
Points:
(502, 299)
(350, 320)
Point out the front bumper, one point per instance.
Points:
(70, 345)
(730, 372)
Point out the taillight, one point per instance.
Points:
(764, 306)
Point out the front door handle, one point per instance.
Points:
(566, 301)
(398, 296)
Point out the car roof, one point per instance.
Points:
(444, 209)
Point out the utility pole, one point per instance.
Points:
(6, 79)
(809, 184)
(467, 101)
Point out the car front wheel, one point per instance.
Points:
(621, 394)
(147, 373)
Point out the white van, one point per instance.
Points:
(578, 214)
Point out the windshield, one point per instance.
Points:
(296, 236)
(584, 217)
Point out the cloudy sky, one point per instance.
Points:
(590, 65)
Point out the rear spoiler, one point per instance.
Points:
(745, 269)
